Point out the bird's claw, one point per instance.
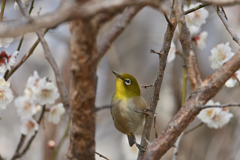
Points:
(140, 147)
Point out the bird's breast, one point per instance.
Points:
(126, 116)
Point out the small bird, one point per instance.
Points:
(128, 107)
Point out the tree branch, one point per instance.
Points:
(219, 106)
(17, 154)
(158, 81)
(221, 2)
(207, 89)
(117, 29)
(60, 83)
(222, 16)
(100, 155)
(185, 39)
(177, 144)
(210, 86)
(68, 10)
(196, 8)
(30, 52)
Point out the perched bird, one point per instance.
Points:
(128, 107)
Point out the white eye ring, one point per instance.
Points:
(127, 81)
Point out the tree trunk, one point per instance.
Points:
(84, 59)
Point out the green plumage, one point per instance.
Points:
(127, 106)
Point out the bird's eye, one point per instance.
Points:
(127, 81)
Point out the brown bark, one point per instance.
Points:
(210, 86)
(84, 60)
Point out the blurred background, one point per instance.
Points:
(130, 53)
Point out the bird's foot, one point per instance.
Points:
(140, 147)
(147, 112)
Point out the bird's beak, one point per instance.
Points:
(117, 75)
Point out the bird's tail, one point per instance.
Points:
(131, 139)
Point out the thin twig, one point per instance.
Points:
(190, 130)
(117, 29)
(65, 135)
(48, 55)
(222, 16)
(60, 83)
(221, 2)
(236, 79)
(219, 106)
(147, 113)
(21, 40)
(184, 83)
(20, 144)
(2, 9)
(196, 8)
(100, 155)
(146, 86)
(153, 51)
(17, 154)
(181, 55)
(167, 19)
(158, 82)
(175, 152)
(103, 107)
(155, 126)
(30, 52)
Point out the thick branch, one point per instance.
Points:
(69, 10)
(158, 82)
(117, 29)
(185, 39)
(222, 16)
(210, 86)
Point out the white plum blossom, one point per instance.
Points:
(233, 81)
(46, 93)
(56, 112)
(25, 106)
(7, 61)
(172, 53)
(3, 82)
(41, 90)
(195, 19)
(28, 125)
(6, 95)
(3, 67)
(5, 42)
(220, 54)
(32, 84)
(215, 117)
(13, 59)
(200, 40)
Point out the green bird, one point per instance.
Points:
(128, 107)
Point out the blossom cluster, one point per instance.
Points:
(38, 92)
(7, 62)
(219, 56)
(215, 117)
(194, 21)
(6, 94)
